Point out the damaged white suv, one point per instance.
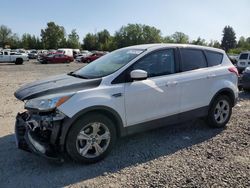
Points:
(126, 91)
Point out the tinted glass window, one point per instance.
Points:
(213, 58)
(157, 63)
(192, 59)
(5, 53)
(243, 56)
(1, 53)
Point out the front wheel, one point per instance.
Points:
(219, 112)
(91, 138)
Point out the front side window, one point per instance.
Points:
(243, 56)
(192, 59)
(157, 63)
(213, 58)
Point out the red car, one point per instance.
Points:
(57, 58)
(92, 57)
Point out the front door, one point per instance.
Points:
(156, 97)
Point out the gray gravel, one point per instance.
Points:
(183, 155)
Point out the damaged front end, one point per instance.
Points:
(39, 132)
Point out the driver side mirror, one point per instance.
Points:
(138, 74)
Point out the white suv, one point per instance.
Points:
(127, 91)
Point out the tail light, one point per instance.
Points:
(234, 70)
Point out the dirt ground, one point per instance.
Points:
(183, 155)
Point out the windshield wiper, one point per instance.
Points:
(77, 75)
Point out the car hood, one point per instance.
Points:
(53, 85)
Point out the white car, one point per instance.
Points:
(7, 56)
(124, 92)
(82, 55)
(243, 61)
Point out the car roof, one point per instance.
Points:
(162, 45)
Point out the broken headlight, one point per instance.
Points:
(47, 103)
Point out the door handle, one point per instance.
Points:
(173, 83)
(211, 76)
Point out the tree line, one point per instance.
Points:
(54, 36)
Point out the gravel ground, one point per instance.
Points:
(183, 155)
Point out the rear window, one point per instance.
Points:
(243, 56)
(213, 58)
(192, 59)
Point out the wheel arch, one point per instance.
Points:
(225, 91)
(107, 111)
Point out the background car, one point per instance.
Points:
(92, 57)
(244, 81)
(57, 58)
(33, 54)
(82, 55)
(244, 61)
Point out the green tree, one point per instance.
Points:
(15, 41)
(5, 35)
(214, 43)
(133, 34)
(53, 36)
(151, 34)
(199, 41)
(104, 40)
(229, 39)
(179, 37)
(168, 39)
(73, 40)
(90, 42)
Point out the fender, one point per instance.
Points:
(67, 122)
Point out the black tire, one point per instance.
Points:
(72, 143)
(213, 111)
(19, 61)
(88, 61)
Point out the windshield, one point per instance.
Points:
(108, 64)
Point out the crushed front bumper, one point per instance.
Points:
(39, 134)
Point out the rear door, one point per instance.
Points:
(195, 79)
(57, 58)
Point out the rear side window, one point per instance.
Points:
(243, 56)
(192, 59)
(213, 58)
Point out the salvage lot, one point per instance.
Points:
(183, 155)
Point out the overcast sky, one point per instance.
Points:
(196, 18)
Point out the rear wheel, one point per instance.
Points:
(220, 112)
(91, 138)
(19, 61)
